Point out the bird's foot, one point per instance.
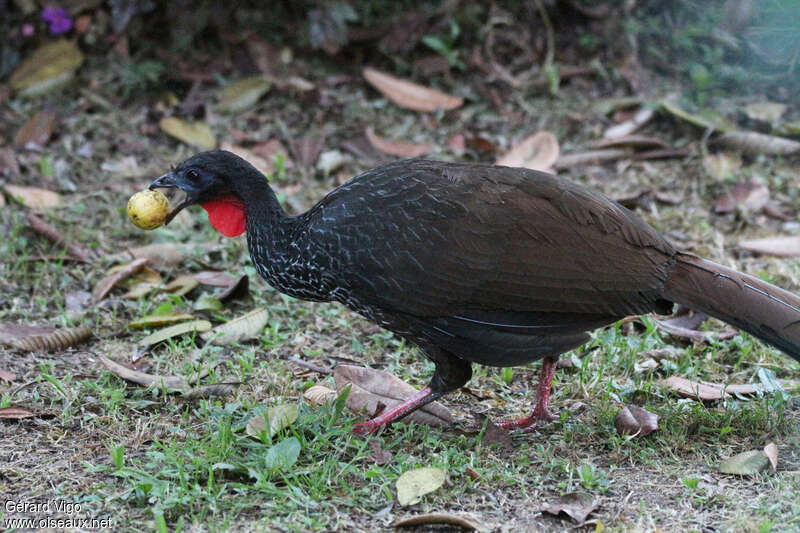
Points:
(366, 428)
(528, 423)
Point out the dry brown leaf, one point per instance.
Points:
(538, 152)
(706, 391)
(52, 342)
(410, 95)
(165, 254)
(195, 133)
(634, 421)
(379, 455)
(183, 284)
(751, 142)
(35, 133)
(9, 166)
(5, 375)
(215, 278)
(639, 119)
(590, 157)
(751, 195)
(306, 149)
(236, 291)
(263, 164)
(373, 387)
(239, 329)
(771, 451)
(33, 197)
(494, 434)
(147, 380)
(397, 148)
(15, 412)
(319, 395)
(439, 518)
(243, 93)
(106, 284)
(576, 505)
(788, 246)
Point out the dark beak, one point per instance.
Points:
(170, 181)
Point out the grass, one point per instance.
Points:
(155, 462)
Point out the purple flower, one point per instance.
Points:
(58, 19)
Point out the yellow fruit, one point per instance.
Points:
(148, 209)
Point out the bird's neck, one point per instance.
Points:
(279, 246)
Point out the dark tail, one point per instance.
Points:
(761, 309)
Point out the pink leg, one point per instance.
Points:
(540, 411)
(413, 403)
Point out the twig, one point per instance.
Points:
(43, 228)
(310, 366)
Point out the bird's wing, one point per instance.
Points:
(435, 239)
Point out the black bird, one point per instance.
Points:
(475, 263)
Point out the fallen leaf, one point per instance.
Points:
(49, 67)
(788, 246)
(639, 119)
(634, 421)
(194, 133)
(182, 285)
(576, 505)
(195, 326)
(590, 157)
(52, 341)
(239, 329)
(126, 167)
(372, 387)
(706, 391)
(33, 197)
(236, 291)
(412, 485)
(206, 302)
(751, 195)
(771, 451)
(243, 93)
(706, 119)
(215, 390)
(457, 143)
(147, 380)
(319, 395)
(397, 148)
(166, 254)
(9, 165)
(106, 284)
(768, 112)
(35, 133)
(753, 143)
(439, 518)
(379, 455)
(215, 278)
(538, 152)
(263, 165)
(5, 375)
(15, 412)
(275, 419)
(155, 321)
(330, 161)
(282, 455)
(410, 95)
(745, 463)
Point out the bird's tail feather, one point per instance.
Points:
(763, 310)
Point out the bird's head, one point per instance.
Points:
(216, 180)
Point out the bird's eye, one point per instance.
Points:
(192, 175)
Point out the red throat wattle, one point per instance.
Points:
(226, 215)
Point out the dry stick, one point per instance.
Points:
(310, 366)
(43, 228)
